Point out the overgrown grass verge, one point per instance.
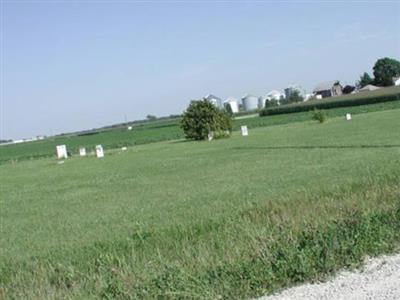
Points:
(256, 251)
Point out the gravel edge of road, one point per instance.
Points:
(378, 278)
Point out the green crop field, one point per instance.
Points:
(228, 219)
(358, 99)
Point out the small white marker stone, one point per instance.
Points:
(129, 127)
(124, 148)
(210, 136)
(348, 117)
(99, 151)
(82, 151)
(244, 130)
(62, 151)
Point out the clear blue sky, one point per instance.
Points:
(80, 65)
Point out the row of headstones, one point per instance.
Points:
(63, 153)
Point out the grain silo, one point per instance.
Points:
(233, 104)
(261, 102)
(214, 100)
(250, 102)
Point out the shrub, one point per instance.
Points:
(202, 118)
(295, 97)
(319, 115)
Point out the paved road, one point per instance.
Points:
(379, 279)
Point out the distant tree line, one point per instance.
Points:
(5, 141)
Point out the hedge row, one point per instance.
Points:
(327, 104)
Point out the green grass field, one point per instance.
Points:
(232, 218)
(159, 130)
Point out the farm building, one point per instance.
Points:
(369, 88)
(214, 100)
(348, 89)
(250, 102)
(233, 104)
(396, 80)
(328, 89)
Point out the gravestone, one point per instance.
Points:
(244, 130)
(348, 117)
(99, 151)
(124, 148)
(210, 136)
(61, 151)
(129, 127)
(82, 151)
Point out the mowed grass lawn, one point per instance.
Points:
(230, 218)
(156, 131)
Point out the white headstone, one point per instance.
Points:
(129, 127)
(82, 151)
(210, 135)
(99, 151)
(348, 117)
(62, 151)
(124, 148)
(318, 97)
(244, 130)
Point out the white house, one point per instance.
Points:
(396, 80)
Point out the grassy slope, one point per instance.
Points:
(235, 217)
(159, 130)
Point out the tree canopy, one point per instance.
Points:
(384, 71)
(365, 79)
(203, 118)
(294, 97)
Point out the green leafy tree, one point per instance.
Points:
(295, 97)
(202, 118)
(365, 79)
(384, 71)
(271, 103)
